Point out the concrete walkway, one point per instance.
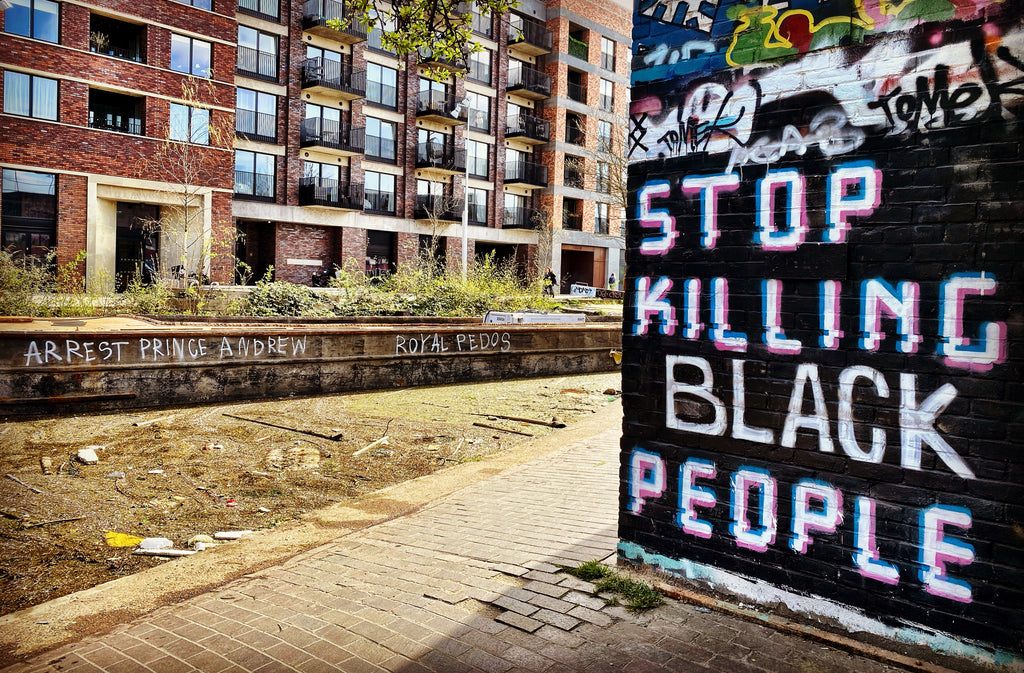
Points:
(468, 583)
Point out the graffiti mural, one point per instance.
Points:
(823, 365)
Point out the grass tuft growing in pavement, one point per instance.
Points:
(639, 596)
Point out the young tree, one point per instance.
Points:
(193, 156)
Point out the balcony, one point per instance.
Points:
(268, 10)
(257, 64)
(572, 221)
(338, 79)
(577, 92)
(574, 133)
(528, 82)
(337, 137)
(257, 126)
(526, 173)
(316, 14)
(442, 208)
(116, 112)
(441, 107)
(440, 158)
(522, 218)
(330, 194)
(528, 129)
(119, 39)
(528, 36)
(573, 175)
(578, 48)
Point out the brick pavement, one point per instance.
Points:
(468, 583)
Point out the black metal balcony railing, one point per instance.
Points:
(121, 124)
(577, 92)
(333, 75)
(443, 157)
(440, 207)
(383, 95)
(125, 53)
(317, 13)
(529, 126)
(575, 135)
(526, 172)
(381, 149)
(476, 213)
(428, 57)
(258, 126)
(521, 218)
(524, 30)
(257, 64)
(268, 10)
(525, 78)
(572, 221)
(330, 193)
(440, 104)
(333, 134)
(376, 201)
(254, 186)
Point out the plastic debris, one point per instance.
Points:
(156, 543)
(87, 456)
(231, 534)
(122, 539)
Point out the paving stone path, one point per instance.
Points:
(468, 583)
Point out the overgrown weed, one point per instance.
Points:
(639, 596)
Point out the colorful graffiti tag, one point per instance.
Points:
(823, 366)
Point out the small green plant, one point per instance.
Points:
(639, 596)
(280, 298)
(22, 279)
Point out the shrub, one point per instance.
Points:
(279, 298)
(22, 280)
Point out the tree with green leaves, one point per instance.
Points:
(442, 28)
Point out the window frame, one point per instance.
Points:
(33, 94)
(256, 111)
(18, 224)
(255, 172)
(191, 118)
(475, 63)
(191, 56)
(472, 159)
(367, 189)
(381, 123)
(608, 55)
(474, 111)
(370, 80)
(606, 101)
(32, 16)
(258, 49)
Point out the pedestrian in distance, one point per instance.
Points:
(549, 282)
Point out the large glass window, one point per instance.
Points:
(381, 85)
(479, 111)
(380, 140)
(607, 99)
(190, 124)
(607, 54)
(480, 66)
(30, 96)
(476, 205)
(603, 177)
(33, 18)
(477, 156)
(257, 53)
(190, 55)
(28, 218)
(256, 115)
(379, 192)
(604, 136)
(481, 23)
(601, 219)
(254, 174)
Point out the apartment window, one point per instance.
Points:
(604, 136)
(30, 96)
(254, 175)
(480, 66)
(477, 156)
(608, 54)
(572, 214)
(382, 25)
(603, 177)
(578, 46)
(479, 112)
(256, 115)
(380, 140)
(382, 85)
(481, 23)
(573, 175)
(575, 129)
(119, 39)
(607, 99)
(190, 124)
(264, 9)
(257, 53)
(28, 218)
(380, 253)
(334, 58)
(379, 193)
(575, 86)
(476, 205)
(601, 220)
(33, 18)
(201, 4)
(190, 55)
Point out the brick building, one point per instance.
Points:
(342, 153)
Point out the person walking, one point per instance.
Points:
(611, 282)
(549, 282)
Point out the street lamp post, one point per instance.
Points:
(465, 193)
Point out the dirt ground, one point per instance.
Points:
(182, 472)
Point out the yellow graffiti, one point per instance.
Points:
(769, 20)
